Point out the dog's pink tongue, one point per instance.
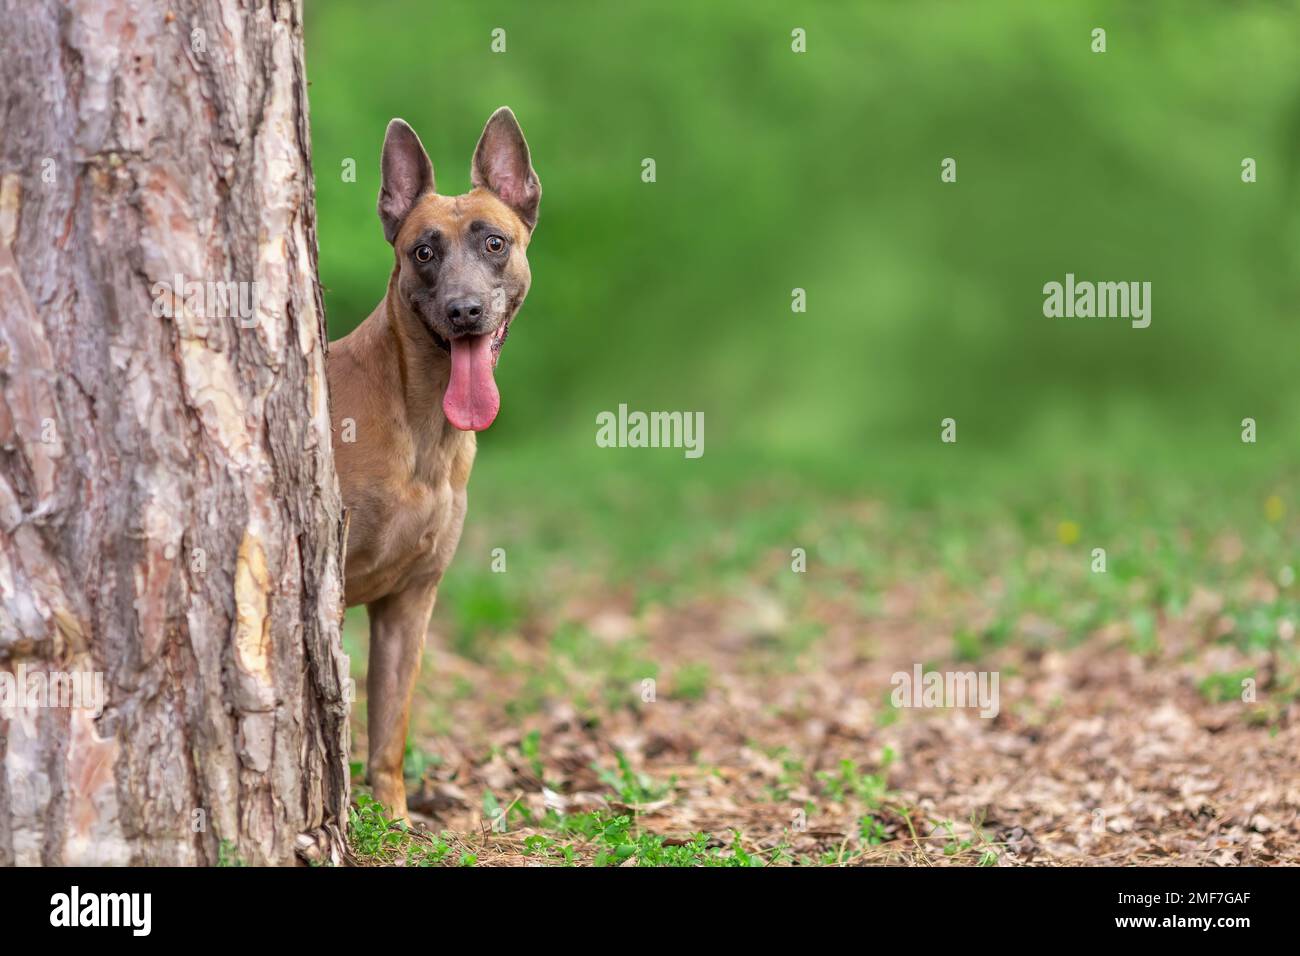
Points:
(472, 399)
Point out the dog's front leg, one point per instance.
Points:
(398, 624)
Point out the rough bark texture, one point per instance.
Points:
(168, 506)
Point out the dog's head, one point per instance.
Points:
(461, 264)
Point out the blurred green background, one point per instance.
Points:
(821, 170)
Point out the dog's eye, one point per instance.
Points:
(423, 253)
(495, 243)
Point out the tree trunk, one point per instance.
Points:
(169, 514)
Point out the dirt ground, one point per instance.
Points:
(1104, 750)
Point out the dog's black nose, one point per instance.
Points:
(463, 312)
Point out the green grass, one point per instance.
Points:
(596, 839)
(850, 781)
(376, 838)
(629, 787)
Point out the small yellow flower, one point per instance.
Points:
(1067, 532)
(1274, 509)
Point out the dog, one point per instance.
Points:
(410, 388)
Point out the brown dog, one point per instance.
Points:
(409, 389)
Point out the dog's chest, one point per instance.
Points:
(407, 530)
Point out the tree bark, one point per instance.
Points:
(169, 513)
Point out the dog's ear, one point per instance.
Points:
(406, 175)
(502, 165)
